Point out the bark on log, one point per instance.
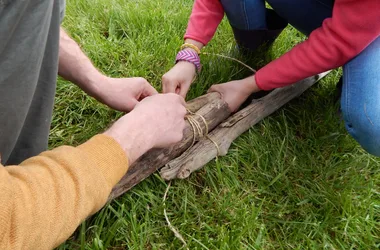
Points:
(195, 104)
(214, 110)
(205, 150)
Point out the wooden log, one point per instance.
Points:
(205, 150)
(195, 104)
(214, 111)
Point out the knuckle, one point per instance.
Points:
(183, 111)
(182, 126)
(141, 80)
(180, 135)
(166, 78)
(179, 98)
(172, 96)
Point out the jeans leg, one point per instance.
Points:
(361, 98)
(245, 14)
(304, 15)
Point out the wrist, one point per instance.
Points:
(250, 84)
(130, 132)
(195, 42)
(191, 46)
(190, 49)
(188, 65)
(96, 85)
(190, 56)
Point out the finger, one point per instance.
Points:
(177, 90)
(182, 100)
(149, 90)
(181, 127)
(184, 89)
(168, 86)
(163, 83)
(184, 112)
(214, 88)
(175, 98)
(131, 104)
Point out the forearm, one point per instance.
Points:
(76, 67)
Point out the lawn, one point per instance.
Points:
(294, 181)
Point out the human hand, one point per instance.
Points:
(179, 78)
(234, 93)
(156, 122)
(123, 93)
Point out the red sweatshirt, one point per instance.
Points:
(353, 26)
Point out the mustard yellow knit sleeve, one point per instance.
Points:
(45, 198)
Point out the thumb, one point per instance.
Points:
(131, 104)
(215, 88)
(148, 91)
(168, 86)
(184, 89)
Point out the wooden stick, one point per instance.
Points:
(195, 104)
(214, 112)
(205, 150)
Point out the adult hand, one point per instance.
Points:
(156, 122)
(123, 93)
(234, 93)
(179, 78)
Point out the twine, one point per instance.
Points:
(231, 58)
(197, 129)
(171, 227)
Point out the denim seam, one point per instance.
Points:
(346, 80)
(245, 15)
(326, 5)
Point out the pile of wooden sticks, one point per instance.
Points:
(212, 115)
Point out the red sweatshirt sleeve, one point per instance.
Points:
(353, 26)
(204, 20)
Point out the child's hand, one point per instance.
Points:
(179, 78)
(234, 93)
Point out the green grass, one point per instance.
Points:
(294, 181)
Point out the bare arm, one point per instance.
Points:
(75, 66)
(118, 93)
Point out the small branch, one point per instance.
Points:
(195, 104)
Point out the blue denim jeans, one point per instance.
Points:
(360, 102)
